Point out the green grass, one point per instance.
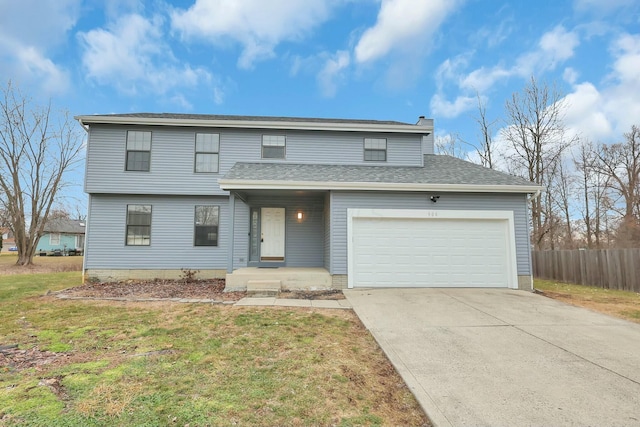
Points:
(220, 365)
(622, 304)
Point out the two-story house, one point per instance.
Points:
(350, 203)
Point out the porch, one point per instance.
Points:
(255, 279)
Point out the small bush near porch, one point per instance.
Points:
(81, 363)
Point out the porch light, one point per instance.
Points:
(300, 215)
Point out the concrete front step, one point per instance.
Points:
(263, 288)
(293, 278)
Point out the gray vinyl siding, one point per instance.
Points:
(172, 156)
(428, 144)
(341, 201)
(327, 231)
(348, 148)
(172, 230)
(304, 241)
(241, 233)
(171, 166)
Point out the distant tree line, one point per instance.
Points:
(592, 189)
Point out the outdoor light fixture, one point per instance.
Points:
(434, 198)
(300, 215)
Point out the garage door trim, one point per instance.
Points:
(435, 214)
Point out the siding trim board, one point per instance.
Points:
(238, 184)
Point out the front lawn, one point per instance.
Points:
(613, 302)
(82, 363)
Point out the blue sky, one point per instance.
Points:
(389, 59)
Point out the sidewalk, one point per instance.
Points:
(284, 302)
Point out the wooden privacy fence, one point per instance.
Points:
(605, 268)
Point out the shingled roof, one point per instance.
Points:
(175, 116)
(438, 170)
(65, 225)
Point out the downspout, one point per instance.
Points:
(86, 234)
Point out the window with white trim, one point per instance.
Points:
(375, 149)
(138, 151)
(273, 146)
(54, 239)
(207, 152)
(206, 226)
(138, 225)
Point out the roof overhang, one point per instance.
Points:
(256, 124)
(237, 184)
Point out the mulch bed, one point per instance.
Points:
(331, 294)
(196, 289)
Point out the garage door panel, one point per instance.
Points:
(430, 252)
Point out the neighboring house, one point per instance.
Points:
(365, 202)
(62, 235)
(8, 241)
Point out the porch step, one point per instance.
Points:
(263, 288)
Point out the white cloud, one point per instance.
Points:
(402, 24)
(450, 69)
(333, 72)
(583, 113)
(38, 23)
(558, 44)
(131, 54)
(570, 75)
(30, 33)
(483, 78)
(258, 25)
(605, 112)
(554, 47)
(440, 107)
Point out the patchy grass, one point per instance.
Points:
(177, 364)
(47, 264)
(613, 302)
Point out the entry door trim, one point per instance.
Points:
(272, 234)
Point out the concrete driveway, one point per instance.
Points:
(484, 357)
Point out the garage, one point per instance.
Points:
(431, 248)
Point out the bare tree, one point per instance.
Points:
(35, 152)
(486, 147)
(535, 132)
(620, 163)
(450, 145)
(561, 194)
(593, 186)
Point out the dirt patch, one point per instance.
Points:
(14, 359)
(198, 289)
(40, 265)
(617, 307)
(331, 294)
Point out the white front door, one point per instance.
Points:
(272, 234)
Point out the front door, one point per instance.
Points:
(272, 224)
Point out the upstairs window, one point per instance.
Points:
(206, 226)
(273, 146)
(138, 151)
(207, 152)
(138, 225)
(375, 149)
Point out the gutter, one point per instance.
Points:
(258, 124)
(232, 184)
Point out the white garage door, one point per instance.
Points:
(390, 251)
